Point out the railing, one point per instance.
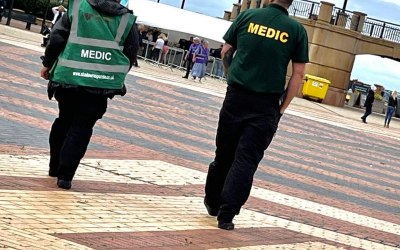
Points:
(380, 29)
(304, 8)
(348, 19)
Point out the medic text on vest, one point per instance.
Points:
(99, 55)
(268, 32)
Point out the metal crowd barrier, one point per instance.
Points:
(175, 59)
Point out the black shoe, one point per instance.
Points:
(64, 184)
(226, 225)
(211, 211)
(53, 173)
(363, 119)
(186, 77)
(225, 217)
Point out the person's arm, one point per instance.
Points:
(227, 56)
(196, 52)
(55, 10)
(188, 52)
(131, 45)
(294, 84)
(58, 39)
(194, 56)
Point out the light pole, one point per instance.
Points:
(344, 5)
(45, 15)
(341, 12)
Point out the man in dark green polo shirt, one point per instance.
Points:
(259, 46)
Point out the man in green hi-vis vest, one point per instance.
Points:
(89, 54)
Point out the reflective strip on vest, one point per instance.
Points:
(93, 66)
(95, 42)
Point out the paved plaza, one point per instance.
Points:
(328, 181)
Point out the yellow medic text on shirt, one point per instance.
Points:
(268, 32)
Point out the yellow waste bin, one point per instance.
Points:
(315, 87)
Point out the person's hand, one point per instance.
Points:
(278, 118)
(44, 73)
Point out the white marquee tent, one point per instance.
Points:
(175, 19)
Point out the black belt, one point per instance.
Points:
(241, 88)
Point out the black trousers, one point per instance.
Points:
(247, 124)
(155, 54)
(135, 62)
(368, 111)
(71, 132)
(189, 64)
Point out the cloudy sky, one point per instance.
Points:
(367, 68)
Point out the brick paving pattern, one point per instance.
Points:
(327, 181)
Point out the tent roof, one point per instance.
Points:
(171, 18)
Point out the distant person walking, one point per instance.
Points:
(218, 69)
(164, 53)
(391, 108)
(368, 103)
(265, 41)
(155, 55)
(200, 59)
(58, 12)
(86, 62)
(189, 56)
(140, 29)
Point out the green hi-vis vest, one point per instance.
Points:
(93, 56)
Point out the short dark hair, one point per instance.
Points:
(285, 2)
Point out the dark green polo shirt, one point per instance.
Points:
(265, 40)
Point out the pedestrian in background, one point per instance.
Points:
(164, 53)
(255, 101)
(86, 61)
(158, 46)
(200, 59)
(58, 12)
(140, 29)
(189, 56)
(368, 103)
(218, 68)
(391, 108)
